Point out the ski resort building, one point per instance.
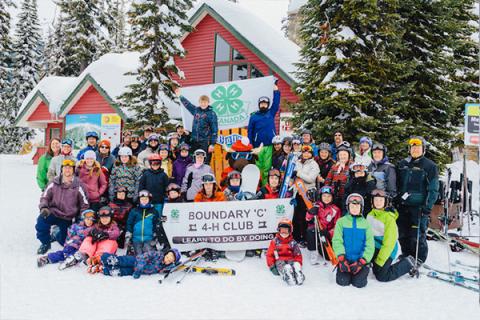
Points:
(227, 43)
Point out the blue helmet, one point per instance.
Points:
(91, 134)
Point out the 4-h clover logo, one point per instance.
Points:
(174, 214)
(280, 209)
(227, 100)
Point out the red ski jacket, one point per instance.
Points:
(285, 249)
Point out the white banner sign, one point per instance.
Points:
(233, 225)
(233, 102)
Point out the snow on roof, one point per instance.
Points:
(295, 5)
(54, 89)
(272, 43)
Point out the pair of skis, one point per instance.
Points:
(457, 241)
(455, 278)
(302, 191)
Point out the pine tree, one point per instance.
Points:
(86, 35)
(157, 26)
(348, 71)
(116, 22)
(55, 56)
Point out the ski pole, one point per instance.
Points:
(316, 239)
(189, 269)
(418, 240)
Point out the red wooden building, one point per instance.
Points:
(228, 43)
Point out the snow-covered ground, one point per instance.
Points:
(27, 292)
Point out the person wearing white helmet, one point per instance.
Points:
(153, 144)
(192, 181)
(126, 173)
(278, 156)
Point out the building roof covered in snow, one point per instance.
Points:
(278, 52)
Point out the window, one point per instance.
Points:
(54, 133)
(230, 64)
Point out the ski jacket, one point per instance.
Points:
(192, 181)
(364, 157)
(55, 167)
(202, 197)
(111, 229)
(42, 170)
(267, 193)
(125, 175)
(363, 186)
(82, 151)
(385, 175)
(142, 223)
(325, 166)
(385, 232)
(419, 178)
(308, 172)
(179, 168)
(337, 178)
(76, 234)
(205, 123)
(150, 262)
(327, 215)
(106, 162)
(277, 159)
(93, 179)
(143, 157)
(167, 166)
(120, 211)
(155, 181)
(285, 249)
(261, 126)
(65, 202)
(353, 237)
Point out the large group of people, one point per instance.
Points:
(103, 199)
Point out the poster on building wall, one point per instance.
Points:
(111, 128)
(286, 125)
(472, 124)
(77, 125)
(233, 102)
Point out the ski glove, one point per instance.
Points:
(274, 270)
(45, 212)
(313, 210)
(101, 235)
(357, 265)
(343, 264)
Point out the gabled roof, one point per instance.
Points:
(278, 52)
(53, 91)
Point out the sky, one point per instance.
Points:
(272, 11)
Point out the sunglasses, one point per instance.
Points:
(104, 147)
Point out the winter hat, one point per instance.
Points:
(125, 151)
(90, 154)
(105, 143)
(367, 140)
(176, 254)
(242, 145)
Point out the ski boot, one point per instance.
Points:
(297, 272)
(314, 257)
(42, 261)
(44, 247)
(72, 260)
(288, 275)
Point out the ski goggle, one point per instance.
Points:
(144, 193)
(208, 178)
(359, 168)
(235, 176)
(307, 149)
(415, 142)
(345, 144)
(378, 146)
(200, 153)
(68, 163)
(242, 155)
(274, 173)
(155, 162)
(297, 142)
(379, 193)
(327, 190)
(355, 200)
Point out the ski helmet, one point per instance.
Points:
(345, 146)
(355, 198)
(144, 193)
(200, 152)
(208, 178)
(380, 146)
(307, 148)
(176, 254)
(88, 214)
(263, 99)
(91, 134)
(322, 190)
(105, 211)
(417, 141)
(277, 140)
(274, 173)
(285, 223)
(90, 154)
(68, 163)
(163, 147)
(381, 193)
(68, 142)
(179, 125)
(173, 187)
(154, 157)
(287, 140)
(121, 189)
(324, 146)
(184, 146)
(234, 175)
(172, 135)
(125, 151)
(153, 137)
(367, 140)
(296, 140)
(358, 166)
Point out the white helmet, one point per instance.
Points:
(277, 140)
(125, 151)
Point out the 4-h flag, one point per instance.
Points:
(233, 102)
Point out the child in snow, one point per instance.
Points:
(362, 182)
(278, 156)
(126, 173)
(144, 225)
(181, 163)
(234, 180)
(385, 233)
(284, 256)
(150, 262)
(192, 181)
(91, 175)
(338, 175)
(327, 214)
(155, 180)
(101, 238)
(76, 234)
(173, 193)
(210, 191)
(121, 206)
(272, 189)
(167, 163)
(173, 145)
(353, 244)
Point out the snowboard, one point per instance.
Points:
(291, 162)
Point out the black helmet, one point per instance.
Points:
(173, 187)
(208, 178)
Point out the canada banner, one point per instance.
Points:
(234, 225)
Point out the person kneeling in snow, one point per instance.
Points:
(385, 232)
(284, 256)
(101, 238)
(150, 262)
(75, 235)
(353, 244)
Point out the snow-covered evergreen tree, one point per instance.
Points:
(27, 51)
(157, 26)
(86, 36)
(116, 22)
(56, 61)
(348, 71)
